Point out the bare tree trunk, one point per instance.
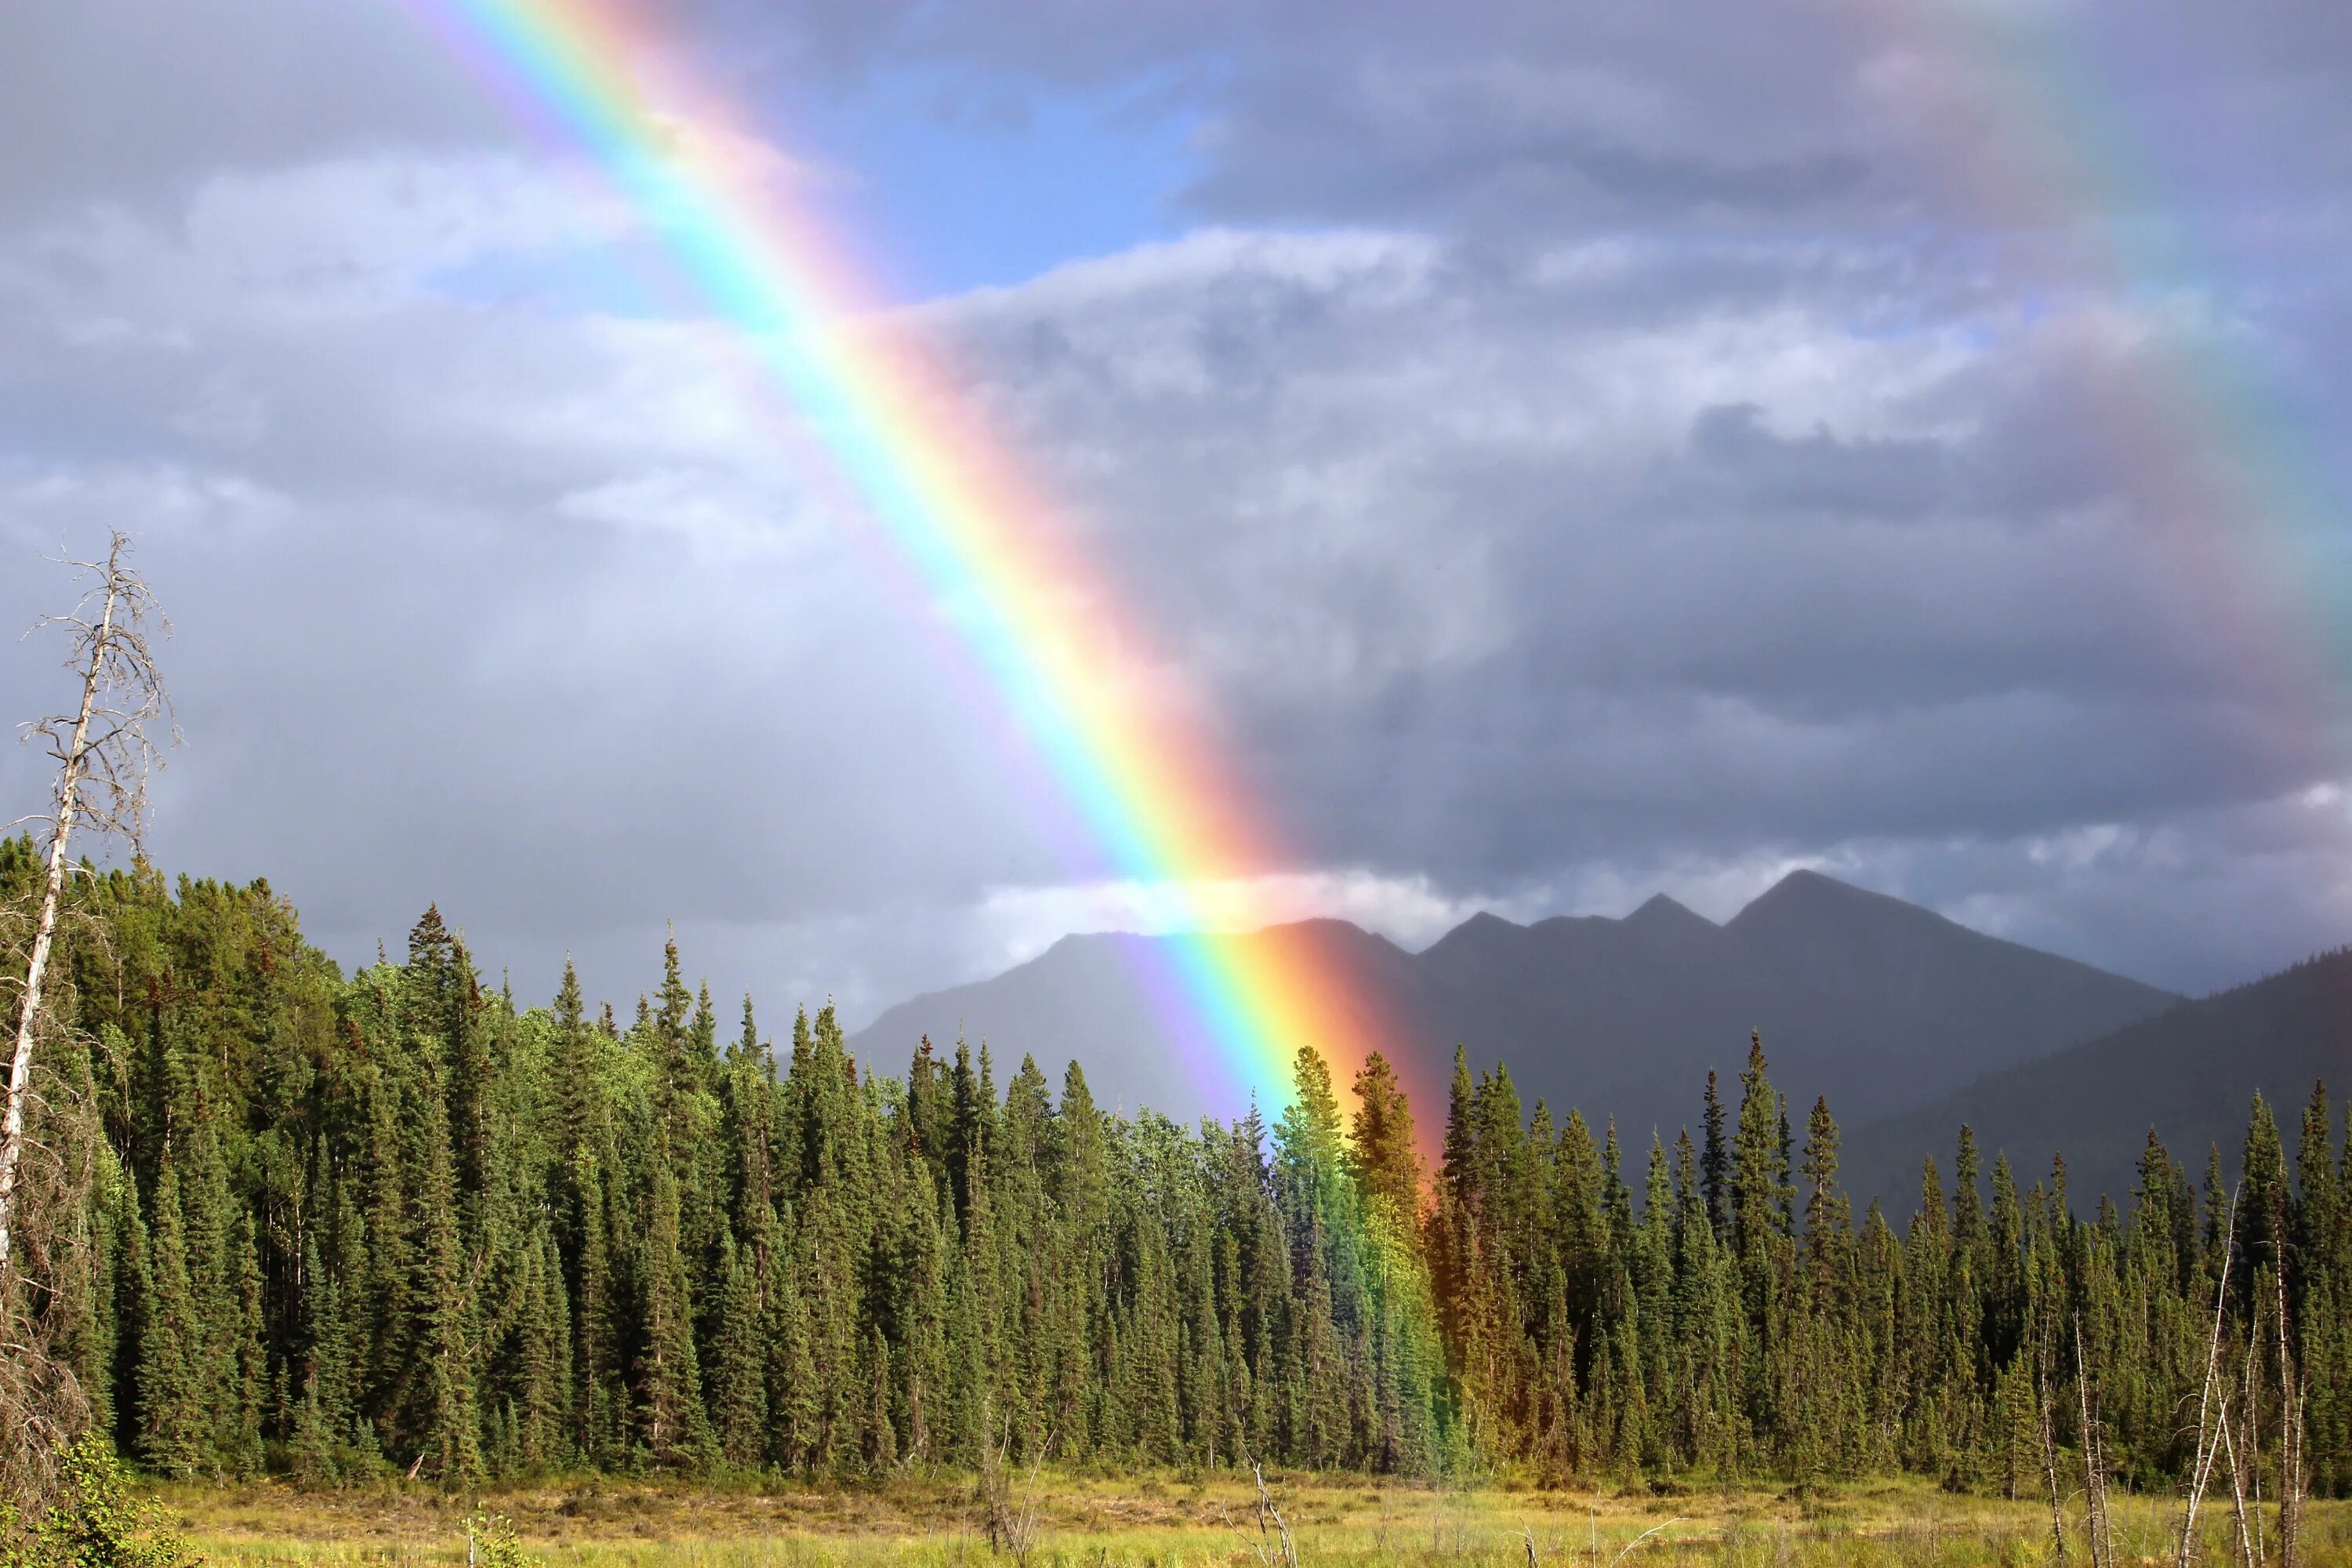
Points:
(102, 754)
(2238, 1494)
(2290, 1494)
(2251, 1419)
(45, 930)
(2095, 1464)
(2207, 1448)
(2041, 1407)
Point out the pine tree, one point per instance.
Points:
(240, 1439)
(173, 1420)
(1382, 1157)
(542, 1334)
(1714, 1162)
(739, 1377)
(1828, 1216)
(447, 1422)
(792, 1386)
(1757, 1212)
(671, 1422)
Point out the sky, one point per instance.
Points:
(1566, 453)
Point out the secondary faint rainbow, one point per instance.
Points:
(1056, 645)
(2234, 489)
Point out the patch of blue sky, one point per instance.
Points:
(946, 185)
(937, 183)
(631, 278)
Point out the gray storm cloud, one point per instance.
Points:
(1573, 454)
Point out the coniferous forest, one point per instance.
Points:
(406, 1222)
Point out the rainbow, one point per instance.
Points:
(1135, 768)
(2230, 485)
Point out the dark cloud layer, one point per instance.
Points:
(1570, 451)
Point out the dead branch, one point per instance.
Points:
(1640, 1538)
(1273, 1544)
(1267, 1512)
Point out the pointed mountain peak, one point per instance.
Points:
(1660, 910)
(1673, 927)
(1805, 881)
(1485, 931)
(1804, 892)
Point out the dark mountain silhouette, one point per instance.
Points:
(2190, 1073)
(1112, 1001)
(1879, 1003)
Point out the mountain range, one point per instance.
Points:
(1890, 1010)
(2189, 1074)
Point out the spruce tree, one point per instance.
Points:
(1827, 1213)
(1714, 1162)
(1382, 1157)
(739, 1403)
(174, 1425)
(443, 1421)
(671, 1422)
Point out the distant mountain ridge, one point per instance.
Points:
(1879, 1003)
(2189, 1074)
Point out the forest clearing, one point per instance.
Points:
(1191, 1519)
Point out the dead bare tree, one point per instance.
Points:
(1269, 1516)
(2208, 1442)
(1274, 1545)
(2253, 1442)
(2099, 1525)
(103, 755)
(2249, 1555)
(49, 1143)
(2046, 1414)
(1010, 1528)
(2290, 1458)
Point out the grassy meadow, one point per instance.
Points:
(1188, 1521)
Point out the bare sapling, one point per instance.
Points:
(2099, 1526)
(996, 1494)
(1012, 1528)
(1269, 1514)
(1645, 1535)
(2290, 1458)
(103, 756)
(1021, 1529)
(2043, 1409)
(2251, 1420)
(2208, 1442)
(2246, 1557)
(1274, 1545)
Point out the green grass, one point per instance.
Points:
(1188, 1521)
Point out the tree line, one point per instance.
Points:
(401, 1223)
